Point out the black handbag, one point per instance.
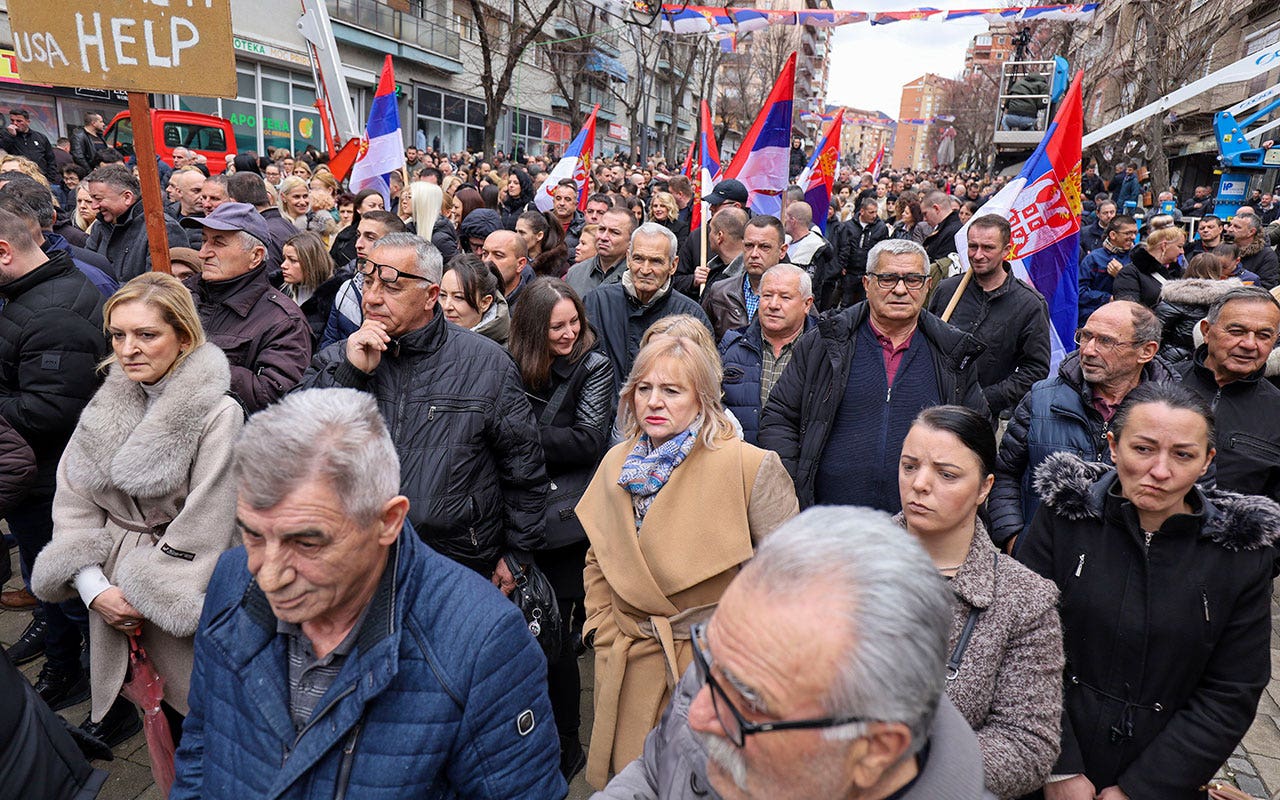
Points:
(562, 526)
(536, 600)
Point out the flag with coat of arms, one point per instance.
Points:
(382, 147)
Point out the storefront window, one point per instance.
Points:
(449, 123)
(283, 115)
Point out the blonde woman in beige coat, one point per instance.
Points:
(671, 515)
(1004, 671)
(145, 503)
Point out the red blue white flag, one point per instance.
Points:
(707, 170)
(575, 163)
(382, 146)
(819, 176)
(876, 164)
(1043, 207)
(763, 162)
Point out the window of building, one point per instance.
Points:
(449, 122)
(273, 108)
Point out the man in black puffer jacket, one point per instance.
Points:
(50, 344)
(471, 459)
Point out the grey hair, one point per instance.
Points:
(1254, 294)
(791, 270)
(248, 241)
(654, 229)
(1255, 222)
(891, 600)
(333, 435)
(430, 262)
(896, 247)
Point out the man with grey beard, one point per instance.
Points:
(784, 698)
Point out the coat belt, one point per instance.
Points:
(666, 631)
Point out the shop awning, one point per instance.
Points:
(603, 62)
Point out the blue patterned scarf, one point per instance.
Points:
(648, 468)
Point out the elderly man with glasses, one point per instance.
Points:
(1071, 411)
(839, 413)
(787, 697)
(470, 453)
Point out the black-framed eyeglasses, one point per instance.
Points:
(1104, 343)
(385, 272)
(737, 727)
(889, 280)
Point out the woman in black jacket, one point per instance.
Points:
(1185, 301)
(311, 280)
(570, 387)
(516, 197)
(1165, 601)
(1153, 264)
(343, 249)
(547, 253)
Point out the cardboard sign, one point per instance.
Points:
(162, 46)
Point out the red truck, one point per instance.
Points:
(209, 136)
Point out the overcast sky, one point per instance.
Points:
(869, 64)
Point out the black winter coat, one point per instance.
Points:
(1248, 438)
(1167, 646)
(443, 235)
(471, 462)
(620, 321)
(51, 341)
(796, 421)
(33, 145)
(574, 441)
(318, 306)
(1013, 323)
(1263, 263)
(942, 242)
(857, 241)
(124, 242)
(1138, 280)
(38, 757)
(1183, 303)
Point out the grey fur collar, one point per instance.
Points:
(1197, 291)
(147, 452)
(1077, 489)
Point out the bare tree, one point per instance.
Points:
(631, 94)
(682, 55)
(569, 58)
(505, 33)
(972, 100)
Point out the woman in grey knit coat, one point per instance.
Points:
(1004, 673)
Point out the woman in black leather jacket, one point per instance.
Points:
(570, 386)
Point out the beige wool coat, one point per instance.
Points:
(145, 492)
(645, 589)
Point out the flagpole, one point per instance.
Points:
(955, 298)
(702, 235)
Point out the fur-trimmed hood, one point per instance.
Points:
(147, 452)
(1077, 490)
(1197, 291)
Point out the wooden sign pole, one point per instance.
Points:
(144, 150)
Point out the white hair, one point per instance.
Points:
(428, 259)
(897, 247)
(890, 599)
(791, 270)
(333, 435)
(654, 229)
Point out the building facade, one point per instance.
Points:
(922, 99)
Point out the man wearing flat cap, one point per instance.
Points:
(263, 333)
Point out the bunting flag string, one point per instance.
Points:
(677, 18)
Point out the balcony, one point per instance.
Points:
(426, 37)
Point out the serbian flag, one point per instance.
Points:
(707, 170)
(687, 169)
(876, 163)
(763, 161)
(381, 147)
(1042, 205)
(820, 174)
(575, 163)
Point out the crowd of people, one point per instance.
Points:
(826, 516)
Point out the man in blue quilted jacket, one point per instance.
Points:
(338, 655)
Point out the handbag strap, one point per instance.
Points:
(553, 405)
(957, 655)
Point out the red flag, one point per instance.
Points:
(708, 167)
(687, 169)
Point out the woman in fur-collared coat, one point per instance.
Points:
(145, 503)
